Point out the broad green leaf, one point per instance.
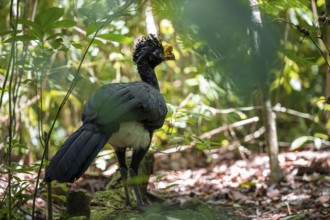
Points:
(62, 24)
(76, 45)
(21, 38)
(96, 41)
(4, 33)
(33, 25)
(49, 16)
(53, 14)
(300, 141)
(57, 35)
(322, 136)
(24, 170)
(122, 39)
(38, 34)
(91, 28)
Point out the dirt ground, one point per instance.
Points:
(237, 188)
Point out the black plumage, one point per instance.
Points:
(123, 114)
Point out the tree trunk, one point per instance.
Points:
(271, 138)
(268, 114)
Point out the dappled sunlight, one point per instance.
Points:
(246, 182)
(232, 108)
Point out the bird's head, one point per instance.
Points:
(149, 49)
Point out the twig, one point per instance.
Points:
(279, 108)
(288, 207)
(226, 127)
(230, 110)
(209, 134)
(306, 33)
(254, 135)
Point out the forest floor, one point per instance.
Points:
(219, 184)
(244, 185)
(240, 188)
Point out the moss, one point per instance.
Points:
(193, 210)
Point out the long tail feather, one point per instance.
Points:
(76, 154)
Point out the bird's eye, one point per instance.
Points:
(156, 53)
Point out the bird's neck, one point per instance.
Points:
(147, 74)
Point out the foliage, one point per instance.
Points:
(49, 49)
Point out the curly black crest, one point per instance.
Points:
(145, 47)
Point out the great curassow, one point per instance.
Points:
(123, 114)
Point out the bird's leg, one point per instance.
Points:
(121, 157)
(137, 157)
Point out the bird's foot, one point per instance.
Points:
(137, 189)
(123, 172)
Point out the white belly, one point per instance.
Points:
(130, 134)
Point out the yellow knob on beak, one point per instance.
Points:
(168, 55)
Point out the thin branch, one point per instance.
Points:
(210, 134)
(227, 127)
(255, 134)
(306, 33)
(10, 74)
(279, 108)
(230, 110)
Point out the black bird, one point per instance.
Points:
(122, 114)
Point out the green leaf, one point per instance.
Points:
(295, 217)
(18, 145)
(96, 41)
(56, 44)
(49, 16)
(122, 39)
(62, 24)
(27, 81)
(300, 141)
(62, 198)
(322, 136)
(55, 36)
(91, 28)
(33, 25)
(38, 34)
(7, 168)
(21, 38)
(169, 186)
(76, 45)
(5, 33)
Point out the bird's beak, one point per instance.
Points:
(168, 55)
